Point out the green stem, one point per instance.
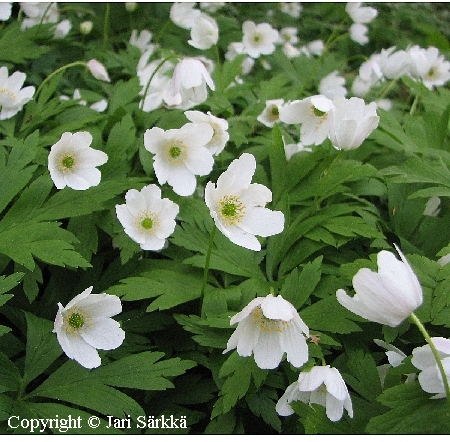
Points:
(388, 88)
(208, 259)
(151, 78)
(62, 68)
(434, 350)
(105, 25)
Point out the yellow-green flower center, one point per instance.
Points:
(175, 152)
(68, 162)
(76, 320)
(268, 325)
(231, 209)
(11, 94)
(318, 113)
(147, 223)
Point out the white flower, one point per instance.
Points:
(86, 27)
(429, 66)
(219, 126)
(147, 218)
(12, 97)
(180, 155)
(290, 51)
(98, 70)
(291, 149)
(384, 103)
(358, 33)
(294, 9)
(394, 64)
(211, 6)
(141, 41)
(183, 14)
(131, 6)
(268, 327)
(332, 86)
(315, 47)
(388, 296)
(72, 162)
(155, 91)
(5, 10)
(62, 29)
(360, 14)
(204, 32)
(395, 355)
(39, 12)
(288, 35)
(237, 206)
(271, 113)
(321, 385)
(188, 84)
(85, 325)
(313, 114)
(351, 122)
(430, 378)
(432, 207)
(259, 39)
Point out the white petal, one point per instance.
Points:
(262, 222)
(77, 348)
(104, 333)
(101, 304)
(268, 352)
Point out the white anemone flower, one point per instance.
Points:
(360, 14)
(188, 84)
(259, 39)
(388, 296)
(204, 32)
(394, 64)
(332, 86)
(98, 70)
(237, 206)
(358, 33)
(219, 126)
(268, 327)
(38, 12)
(5, 10)
(85, 325)
(294, 9)
(141, 40)
(180, 155)
(62, 29)
(12, 96)
(351, 122)
(271, 113)
(315, 47)
(313, 114)
(73, 163)
(288, 35)
(430, 378)
(183, 14)
(322, 385)
(147, 218)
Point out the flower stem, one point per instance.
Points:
(427, 337)
(208, 259)
(62, 68)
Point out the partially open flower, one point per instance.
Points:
(271, 113)
(204, 32)
(98, 70)
(85, 325)
(268, 327)
(12, 96)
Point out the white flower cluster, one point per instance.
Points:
(361, 15)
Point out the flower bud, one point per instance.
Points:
(86, 27)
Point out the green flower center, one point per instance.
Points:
(274, 111)
(318, 113)
(256, 38)
(147, 223)
(175, 152)
(76, 320)
(68, 162)
(231, 209)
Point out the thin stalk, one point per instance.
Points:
(208, 259)
(427, 337)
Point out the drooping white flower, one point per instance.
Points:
(204, 32)
(73, 163)
(237, 48)
(321, 385)
(315, 47)
(62, 29)
(85, 325)
(180, 155)
(432, 207)
(394, 64)
(141, 41)
(5, 10)
(351, 122)
(271, 113)
(294, 9)
(358, 33)
(219, 126)
(259, 39)
(360, 14)
(291, 149)
(429, 66)
(268, 327)
(369, 75)
(388, 296)
(147, 218)
(332, 86)
(188, 84)
(313, 114)
(430, 378)
(38, 12)
(12, 96)
(237, 206)
(159, 84)
(98, 70)
(183, 14)
(211, 6)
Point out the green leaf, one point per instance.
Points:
(412, 412)
(10, 379)
(263, 404)
(42, 347)
(278, 164)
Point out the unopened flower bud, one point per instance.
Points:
(86, 27)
